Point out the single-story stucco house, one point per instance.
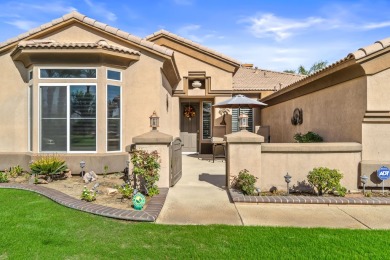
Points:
(84, 89)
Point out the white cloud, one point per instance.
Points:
(100, 10)
(371, 26)
(24, 25)
(194, 33)
(269, 25)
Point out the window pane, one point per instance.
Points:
(113, 134)
(113, 101)
(30, 75)
(207, 120)
(115, 75)
(113, 118)
(82, 101)
(53, 102)
(83, 135)
(68, 73)
(53, 135)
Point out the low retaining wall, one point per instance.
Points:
(298, 159)
(116, 162)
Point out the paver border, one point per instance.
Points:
(149, 214)
(238, 197)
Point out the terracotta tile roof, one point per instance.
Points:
(51, 44)
(258, 79)
(192, 44)
(370, 49)
(91, 22)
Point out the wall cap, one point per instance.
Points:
(311, 147)
(153, 137)
(243, 137)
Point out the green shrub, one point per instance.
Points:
(325, 180)
(3, 177)
(15, 171)
(88, 195)
(126, 190)
(49, 164)
(147, 166)
(309, 137)
(341, 191)
(246, 182)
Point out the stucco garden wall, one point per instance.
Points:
(335, 113)
(298, 159)
(269, 162)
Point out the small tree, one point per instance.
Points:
(325, 179)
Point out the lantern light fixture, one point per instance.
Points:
(154, 121)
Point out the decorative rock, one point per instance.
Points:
(111, 191)
(90, 177)
(40, 181)
(68, 173)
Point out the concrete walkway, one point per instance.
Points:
(200, 198)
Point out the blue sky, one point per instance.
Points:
(274, 35)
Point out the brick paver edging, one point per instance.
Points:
(238, 197)
(149, 214)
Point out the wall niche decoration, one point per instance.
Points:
(297, 118)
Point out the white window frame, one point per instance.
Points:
(64, 68)
(120, 123)
(116, 70)
(30, 90)
(67, 85)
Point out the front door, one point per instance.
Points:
(189, 126)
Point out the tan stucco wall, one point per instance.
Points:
(220, 79)
(14, 106)
(378, 91)
(335, 113)
(299, 159)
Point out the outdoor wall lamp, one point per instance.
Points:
(196, 84)
(287, 179)
(364, 179)
(154, 121)
(243, 121)
(82, 165)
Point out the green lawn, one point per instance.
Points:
(33, 227)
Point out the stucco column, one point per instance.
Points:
(160, 142)
(243, 152)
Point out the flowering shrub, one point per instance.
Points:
(146, 165)
(88, 195)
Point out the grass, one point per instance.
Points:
(33, 227)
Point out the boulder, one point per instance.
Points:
(111, 191)
(90, 177)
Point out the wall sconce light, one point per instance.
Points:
(243, 121)
(82, 165)
(154, 121)
(287, 179)
(196, 84)
(364, 179)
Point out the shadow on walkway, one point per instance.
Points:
(216, 180)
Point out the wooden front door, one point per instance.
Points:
(189, 126)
